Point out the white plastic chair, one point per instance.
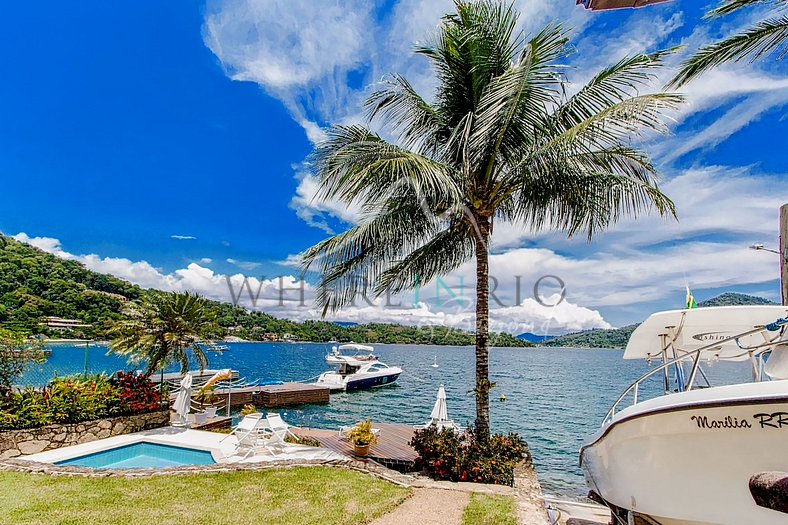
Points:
(277, 430)
(248, 433)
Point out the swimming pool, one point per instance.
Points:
(142, 455)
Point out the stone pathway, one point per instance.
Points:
(428, 507)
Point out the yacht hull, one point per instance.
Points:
(689, 463)
(371, 382)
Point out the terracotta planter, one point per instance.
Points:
(361, 450)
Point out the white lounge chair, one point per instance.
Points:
(276, 432)
(441, 424)
(248, 433)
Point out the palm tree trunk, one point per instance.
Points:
(482, 329)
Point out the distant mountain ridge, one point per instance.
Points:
(533, 338)
(618, 337)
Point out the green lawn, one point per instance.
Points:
(314, 495)
(490, 510)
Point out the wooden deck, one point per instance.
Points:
(391, 450)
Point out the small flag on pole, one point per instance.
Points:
(691, 300)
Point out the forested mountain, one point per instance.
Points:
(35, 285)
(618, 337)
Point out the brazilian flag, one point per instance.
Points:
(691, 300)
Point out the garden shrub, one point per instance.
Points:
(448, 455)
(75, 399)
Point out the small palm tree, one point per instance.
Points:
(761, 39)
(166, 328)
(500, 141)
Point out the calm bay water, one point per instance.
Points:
(554, 397)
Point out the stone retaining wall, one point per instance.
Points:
(15, 443)
(50, 469)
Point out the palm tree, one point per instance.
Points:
(761, 39)
(501, 140)
(165, 328)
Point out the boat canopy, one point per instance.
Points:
(356, 347)
(682, 331)
(601, 5)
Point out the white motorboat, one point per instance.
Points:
(359, 369)
(685, 457)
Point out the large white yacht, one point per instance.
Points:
(686, 457)
(359, 369)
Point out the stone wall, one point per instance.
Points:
(15, 443)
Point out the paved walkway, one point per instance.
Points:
(428, 507)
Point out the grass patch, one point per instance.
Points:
(490, 510)
(306, 495)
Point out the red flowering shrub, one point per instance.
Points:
(449, 455)
(136, 392)
(74, 399)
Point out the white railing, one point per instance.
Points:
(695, 356)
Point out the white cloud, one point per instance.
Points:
(290, 297)
(206, 260)
(183, 237)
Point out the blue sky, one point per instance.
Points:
(127, 123)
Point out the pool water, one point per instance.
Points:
(142, 455)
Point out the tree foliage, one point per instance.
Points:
(502, 139)
(763, 38)
(165, 328)
(17, 352)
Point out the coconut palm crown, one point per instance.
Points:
(499, 140)
(165, 328)
(763, 38)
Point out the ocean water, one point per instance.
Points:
(555, 398)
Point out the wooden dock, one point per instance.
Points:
(274, 396)
(270, 396)
(391, 450)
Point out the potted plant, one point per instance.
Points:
(362, 438)
(207, 396)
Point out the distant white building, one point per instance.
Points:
(60, 324)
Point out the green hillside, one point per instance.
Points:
(618, 337)
(35, 285)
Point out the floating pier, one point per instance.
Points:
(274, 396)
(391, 450)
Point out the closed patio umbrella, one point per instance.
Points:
(440, 412)
(182, 403)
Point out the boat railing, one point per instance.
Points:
(695, 356)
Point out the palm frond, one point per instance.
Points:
(609, 87)
(577, 200)
(511, 108)
(623, 120)
(443, 253)
(350, 263)
(418, 126)
(356, 165)
(756, 42)
(731, 6)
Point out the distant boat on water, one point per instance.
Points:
(435, 362)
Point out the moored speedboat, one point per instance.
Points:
(686, 457)
(358, 369)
